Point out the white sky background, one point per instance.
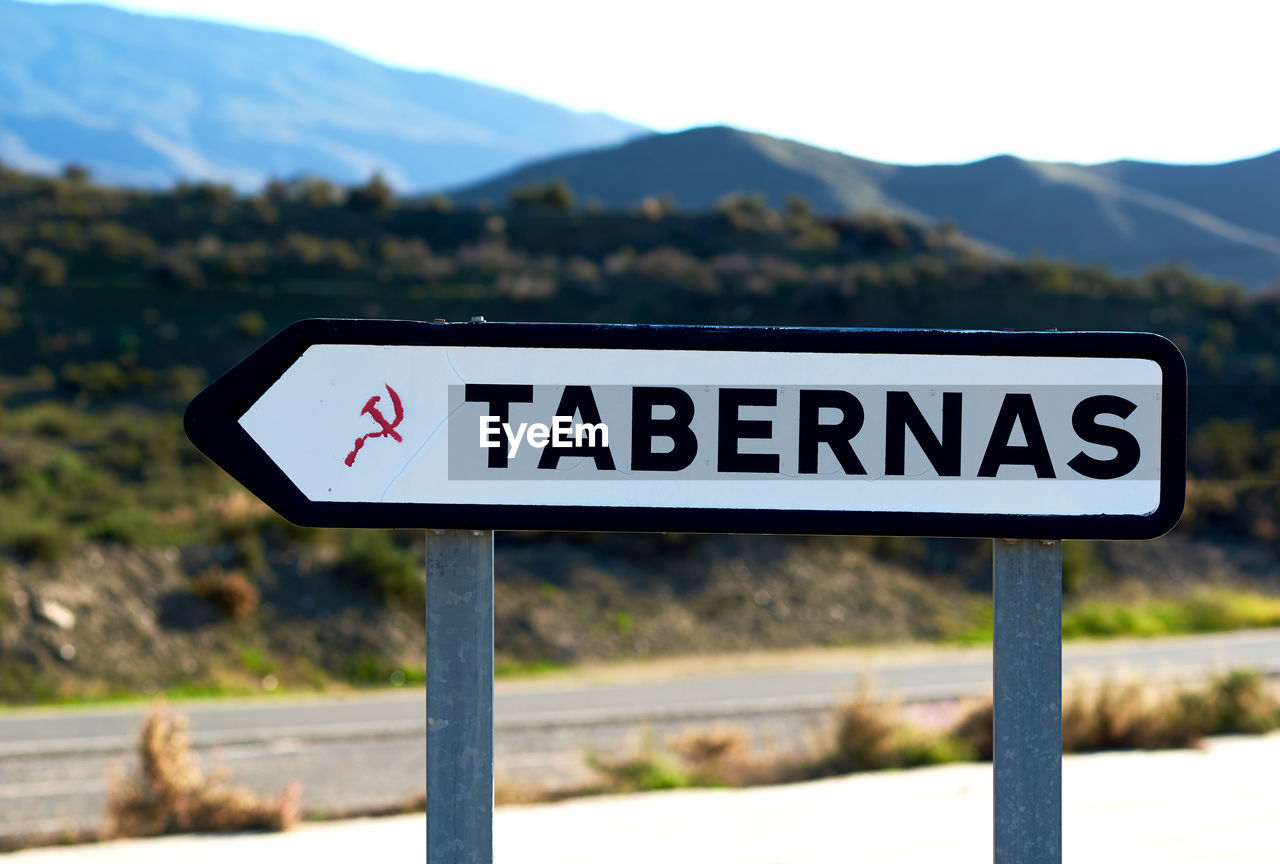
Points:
(910, 82)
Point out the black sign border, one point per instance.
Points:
(212, 424)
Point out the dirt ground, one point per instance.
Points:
(110, 620)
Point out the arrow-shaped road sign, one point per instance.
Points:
(727, 429)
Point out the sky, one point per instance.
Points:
(903, 81)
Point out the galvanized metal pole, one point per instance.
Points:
(1027, 662)
(459, 697)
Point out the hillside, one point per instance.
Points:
(145, 101)
(128, 561)
(1222, 220)
(698, 167)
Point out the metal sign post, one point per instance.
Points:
(460, 697)
(1027, 666)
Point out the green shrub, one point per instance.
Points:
(129, 526)
(1230, 610)
(1203, 612)
(1242, 705)
(256, 662)
(42, 268)
(1080, 568)
(644, 773)
(553, 197)
(100, 378)
(56, 420)
(250, 551)
(25, 684)
(250, 322)
(372, 559)
(373, 670)
(244, 533)
(375, 196)
(1223, 449)
(35, 538)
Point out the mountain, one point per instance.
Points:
(144, 101)
(1222, 220)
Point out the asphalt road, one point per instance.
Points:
(368, 749)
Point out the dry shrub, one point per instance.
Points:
(231, 593)
(977, 728)
(715, 756)
(1130, 716)
(1123, 717)
(506, 791)
(171, 795)
(1240, 703)
(864, 736)
(871, 736)
(1112, 717)
(719, 756)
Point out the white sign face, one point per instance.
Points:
(726, 429)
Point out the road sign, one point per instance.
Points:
(672, 428)
(733, 429)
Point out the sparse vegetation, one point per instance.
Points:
(1202, 611)
(872, 736)
(170, 793)
(373, 559)
(553, 197)
(117, 305)
(719, 756)
(647, 772)
(230, 593)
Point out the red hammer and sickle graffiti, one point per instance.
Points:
(388, 429)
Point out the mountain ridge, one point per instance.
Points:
(147, 100)
(1223, 220)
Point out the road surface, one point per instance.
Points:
(368, 749)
